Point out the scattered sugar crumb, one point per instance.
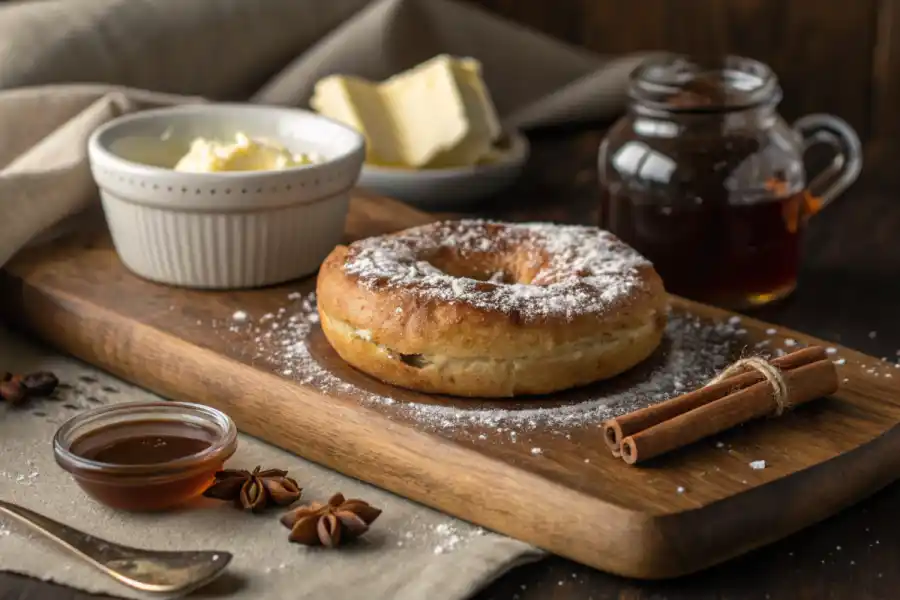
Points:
(720, 444)
(790, 342)
(695, 349)
(831, 350)
(734, 320)
(240, 316)
(680, 489)
(771, 331)
(587, 460)
(537, 451)
(295, 296)
(873, 335)
(758, 465)
(451, 537)
(840, 361)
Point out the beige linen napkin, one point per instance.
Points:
(67, 66)
(411, 552)
(82, 62)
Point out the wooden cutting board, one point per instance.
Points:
(535, 469)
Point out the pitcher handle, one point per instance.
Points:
(846, 165)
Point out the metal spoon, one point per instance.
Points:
(145, 570)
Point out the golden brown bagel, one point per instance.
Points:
(488, 309)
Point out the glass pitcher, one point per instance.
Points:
(704, 178)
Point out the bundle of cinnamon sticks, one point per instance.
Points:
(806, 374)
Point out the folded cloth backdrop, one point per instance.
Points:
(66, 66)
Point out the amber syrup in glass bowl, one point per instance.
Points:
(146, 456)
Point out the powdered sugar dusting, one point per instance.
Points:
(693, 350)
(569, 269)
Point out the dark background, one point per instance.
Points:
(837, 56)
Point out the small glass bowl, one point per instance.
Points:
(153, 486)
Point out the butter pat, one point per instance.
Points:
(438, 114)
(245, 154)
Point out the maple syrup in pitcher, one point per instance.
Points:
(705, 179)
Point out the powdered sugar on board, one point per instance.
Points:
(574, 269)
(693, 351)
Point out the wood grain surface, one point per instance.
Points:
(847, 292)
(593, 509)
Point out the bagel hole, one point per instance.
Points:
(501, 277)
(478, 268)
(417, 361)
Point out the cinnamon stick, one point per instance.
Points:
(804, 383)
(617, 429)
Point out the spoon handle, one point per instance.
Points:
(147, 570)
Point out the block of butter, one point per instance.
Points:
(437, 114)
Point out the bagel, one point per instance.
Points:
(489, 309)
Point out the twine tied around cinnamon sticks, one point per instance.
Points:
(749, 389)
(768, 370)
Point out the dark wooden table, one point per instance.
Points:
(849, 291)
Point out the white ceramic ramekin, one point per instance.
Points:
(231, 229)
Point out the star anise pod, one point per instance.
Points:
(15, 389)
(41, 383)
(330, 524)
(255, 490)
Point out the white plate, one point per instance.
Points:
(453, 187)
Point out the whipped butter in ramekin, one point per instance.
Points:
(238, 212)
(243, 154)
